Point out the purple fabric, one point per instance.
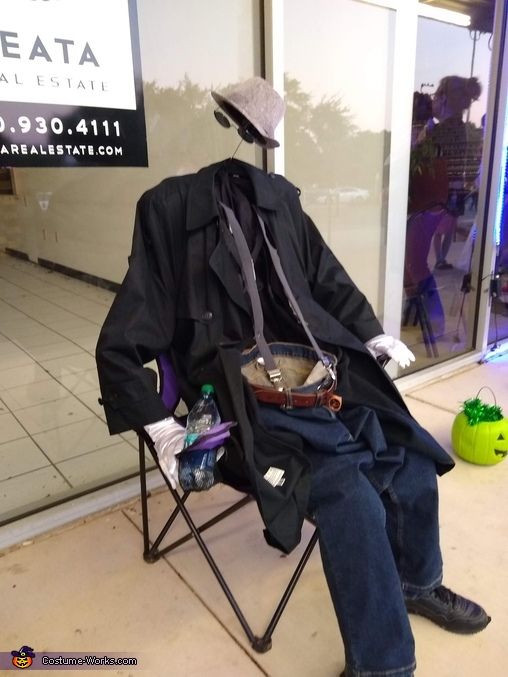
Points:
(170, 392)
(212, 438)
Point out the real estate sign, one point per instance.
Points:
(70, 84)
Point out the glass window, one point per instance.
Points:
(338, 63)
(53, 438)
(449, 103)
(498, 326)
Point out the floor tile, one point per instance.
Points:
(72, 323)
(34, 393)
(50, 314)
(81, 381)
(102, 465)
(76, 327)
(97, 315)
(10, 349)
(16, 359)
(20, 456)
(41, 337)
(100, 295)
(18, 376)
(18, 320)
(129, 435)
(50, 415)
(10, 429)
(69, 365)
(10, 292)
(25, 491)
(87, 344)
(91, 400)
(53, 350)
(75, 439)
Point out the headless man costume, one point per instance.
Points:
(357, 471)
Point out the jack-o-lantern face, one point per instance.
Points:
(22, 661)
(485, 443)
(501, 441)
(23, 658)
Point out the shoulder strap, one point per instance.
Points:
(250, 283)
(249, 276)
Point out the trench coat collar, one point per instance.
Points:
(202, 202)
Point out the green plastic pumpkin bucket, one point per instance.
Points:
(480, 433)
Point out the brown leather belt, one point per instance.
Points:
(289, 399)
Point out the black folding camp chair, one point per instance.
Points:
(153, 551)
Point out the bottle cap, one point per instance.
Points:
(207, 388)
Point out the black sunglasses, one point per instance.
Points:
(246, 131)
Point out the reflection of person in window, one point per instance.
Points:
(450, 136)
(428, 193)
(419, 282)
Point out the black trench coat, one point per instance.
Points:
(181, 296)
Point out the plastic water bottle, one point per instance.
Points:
(196, 467)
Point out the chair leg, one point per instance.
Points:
(264, 643)
(144, 495)
(260, 644)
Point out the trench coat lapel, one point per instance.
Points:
(202, 211)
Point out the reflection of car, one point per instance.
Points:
(340, 194)
(350, 193)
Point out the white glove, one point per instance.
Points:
(388, 345)
(167, 436)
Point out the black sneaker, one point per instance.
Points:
(450, 611)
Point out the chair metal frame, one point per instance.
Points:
(152, 552)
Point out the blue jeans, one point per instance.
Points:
(376, 509)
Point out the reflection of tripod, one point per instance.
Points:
(465, 289)
(417, 303)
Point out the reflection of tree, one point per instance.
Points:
(317, 135)
(324, 147)
(180, 125)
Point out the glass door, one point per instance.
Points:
(339, 82)
(498, 326)
(441, 275)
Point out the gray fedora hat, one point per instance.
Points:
(257, 102)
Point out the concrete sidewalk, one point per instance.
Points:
(86, 588)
